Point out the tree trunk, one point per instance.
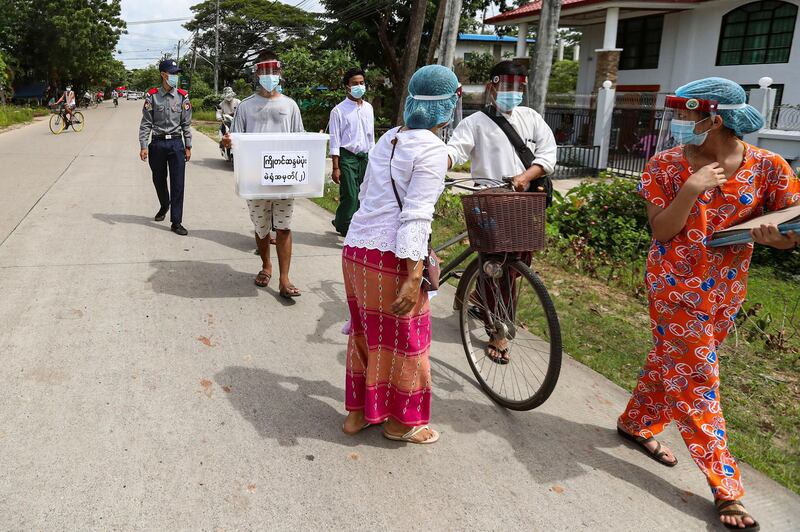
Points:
(411, 54)
(546, 36)
(452, 19)
(437, 32)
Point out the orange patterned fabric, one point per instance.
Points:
(695, 292)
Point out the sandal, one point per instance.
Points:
(262, 279)
(408, 437)
(721, 508)
(502, 359)
(290, 292)
(657, 455)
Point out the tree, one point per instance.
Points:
(362, 23)
(543, 58)
(563, 77)
(247, 26)
(479, 66)
(142, 79)
(61, 40)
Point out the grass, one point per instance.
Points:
(208, 128)
(204, 115)
(605, 325)
(10, 115)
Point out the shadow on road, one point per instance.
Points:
(237, 241)
(553, 449)
(201, 280)
(214, 163)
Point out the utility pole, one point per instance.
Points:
(452, 16)
(178, 58)
(216, 54)
(539, 74)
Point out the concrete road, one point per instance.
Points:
(148, 384)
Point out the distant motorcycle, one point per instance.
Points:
(225, 128)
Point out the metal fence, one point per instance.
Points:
(786, 118)
(635, 124)
(576, 161)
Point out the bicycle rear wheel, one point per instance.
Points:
(512, 309)
(56, 124)
(77, 121)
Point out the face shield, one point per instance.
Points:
(687, 121)
(506, 92)
(269, 74)
(445, 132)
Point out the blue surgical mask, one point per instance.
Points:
(507, 100)
(357, 91)
(683, 132)
(269, 81)
(172, 80)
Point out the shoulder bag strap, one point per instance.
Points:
(394, 187)
(523, 151)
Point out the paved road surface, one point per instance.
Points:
(148, 384)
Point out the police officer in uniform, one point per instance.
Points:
(167, 114)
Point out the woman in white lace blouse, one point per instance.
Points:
(388, 373)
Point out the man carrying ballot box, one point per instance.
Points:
(269, 111)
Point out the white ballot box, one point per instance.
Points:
(279, 165)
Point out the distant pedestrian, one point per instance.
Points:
(167, 114)
(269, 111)
(708, 182)
(388, 375)
(352, 130)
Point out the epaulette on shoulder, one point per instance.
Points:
(183, 93)
(152, 91)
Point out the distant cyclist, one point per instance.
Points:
(69, 101)
(115, 97)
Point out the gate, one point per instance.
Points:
(635, 124)
(572, 119)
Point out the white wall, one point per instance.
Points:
(689, 51)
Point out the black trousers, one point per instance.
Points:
(169, 154)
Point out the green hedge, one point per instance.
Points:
(15, 115)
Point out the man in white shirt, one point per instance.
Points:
(480, 139)
(352, 130)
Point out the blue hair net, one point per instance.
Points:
(430, 81)
(741, 121)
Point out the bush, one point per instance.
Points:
(14, 115)
(609, 216)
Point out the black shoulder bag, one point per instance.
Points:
(431, 269)
(544, 183)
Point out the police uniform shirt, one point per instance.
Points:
(166, 113)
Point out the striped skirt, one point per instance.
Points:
(388, 371)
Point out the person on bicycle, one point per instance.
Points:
(504, 139)
(115, 96)
(228, 106)
(382, 262)
(69, 101)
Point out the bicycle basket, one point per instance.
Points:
(502, 221)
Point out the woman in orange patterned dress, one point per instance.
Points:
(710, 180)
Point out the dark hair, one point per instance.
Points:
(350, 74)
(507, 68)
(266, 55)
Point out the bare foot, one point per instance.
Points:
(354, 423)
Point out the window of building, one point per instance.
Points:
(757, 33)
(640, 40)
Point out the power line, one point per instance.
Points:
(156, 21)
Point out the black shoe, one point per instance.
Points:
(178, 229)
(160, 215)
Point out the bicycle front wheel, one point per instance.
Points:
(77, 121)
(510, 332)
(56, 124)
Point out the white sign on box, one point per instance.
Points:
(284, 168)
(279, 165)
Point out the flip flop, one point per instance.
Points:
(657, 455)
(721, 508)
(290, 292)
(262, 279)
(408, 437)
(502, 359)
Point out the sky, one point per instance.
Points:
(146, 43)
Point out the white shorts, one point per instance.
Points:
(270, 214)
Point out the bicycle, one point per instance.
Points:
(502, 301)
(59, 121)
